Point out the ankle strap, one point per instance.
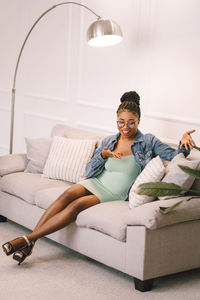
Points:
(27, 240)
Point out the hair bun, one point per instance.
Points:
(131, 96)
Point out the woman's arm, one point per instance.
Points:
(96, 164)
(166, 152)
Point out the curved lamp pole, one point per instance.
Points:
(100, 33)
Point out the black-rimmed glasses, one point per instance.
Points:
(130, 124)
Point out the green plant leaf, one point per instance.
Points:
(193, 197)
(197, 148)
(166, 210)
(159, 189)
(190, 171)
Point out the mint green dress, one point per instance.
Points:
(114, 182)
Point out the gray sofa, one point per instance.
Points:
(140, 242)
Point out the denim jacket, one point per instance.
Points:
(144, 148)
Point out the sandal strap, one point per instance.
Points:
(27, 240)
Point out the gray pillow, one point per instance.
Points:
(175, 175)
(37, 153)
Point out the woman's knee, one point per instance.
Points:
(83, 203)
(65, 198)
(70, 194)
(76, 207)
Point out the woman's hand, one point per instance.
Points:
(187, 140)
(107, 153)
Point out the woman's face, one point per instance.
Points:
(127, 124)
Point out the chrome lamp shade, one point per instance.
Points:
(100, 33)
(103, 33)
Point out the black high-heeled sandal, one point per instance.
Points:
(9, 247)
(21, 255)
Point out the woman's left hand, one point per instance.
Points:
(187, 140)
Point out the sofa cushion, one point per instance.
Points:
(44, 197)
(149, 216)
(107, 217)
(75, 133)
(25, 185)
(37, 153)
(68, 158)
(112, 218)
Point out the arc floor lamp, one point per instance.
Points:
(103, 32)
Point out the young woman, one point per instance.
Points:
(110, 174)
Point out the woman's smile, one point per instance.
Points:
(125, 132)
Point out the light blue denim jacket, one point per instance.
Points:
(144, 148)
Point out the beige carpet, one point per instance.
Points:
(55, 272)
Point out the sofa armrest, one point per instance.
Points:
(149, 216)
(12, 163)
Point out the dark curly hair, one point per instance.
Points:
(130, 101)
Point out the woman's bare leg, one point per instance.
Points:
(72, 193)
(65, 216)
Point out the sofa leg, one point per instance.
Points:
(3, 219)
(143, 285)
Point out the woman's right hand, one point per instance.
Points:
(107, 153)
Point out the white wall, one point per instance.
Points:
(63, 80)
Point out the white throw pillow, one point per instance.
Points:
(37, 153)
(68, 158)
(152, 172)
(175, 175)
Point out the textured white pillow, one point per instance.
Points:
(176, 175)
(68, 158)
(153, 172)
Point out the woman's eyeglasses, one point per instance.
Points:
(130, 124)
